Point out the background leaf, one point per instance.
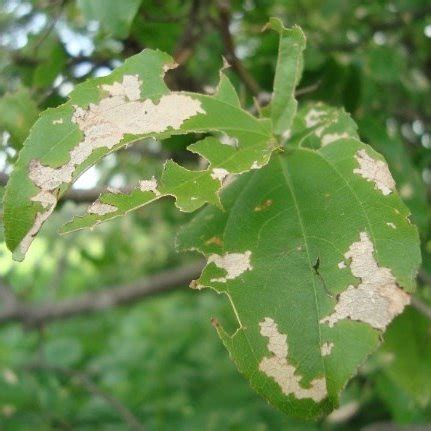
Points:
(116, 18)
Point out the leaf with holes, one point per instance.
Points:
(105, 114)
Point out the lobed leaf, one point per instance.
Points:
(316, 254)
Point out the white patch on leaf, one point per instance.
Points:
(255, 165)
(375, 171)
(392, 225)
(287, 134)
(377, 299)
(104, 124)
(326, 348)
(341, 264)
(149, 186)
(225, 139)
(319, 131)
(130, 88)
(40, 219)
(233, 263)
(219, 174)
(46, 199)
(113, 190)
(333, 137)
(313, 117)
(101, 208)
(284, 374)
(59, 121)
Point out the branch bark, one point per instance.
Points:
(229, 46)
(420, 306)
(36, 315)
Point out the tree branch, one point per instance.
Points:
(229, 47)
(421, 307)
(191, 35)
(36, 315)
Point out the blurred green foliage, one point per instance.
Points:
(161, 358)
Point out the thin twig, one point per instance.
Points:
(192, 33)
(82, 378)
(223, 26)
(51, 25)
(420, 306)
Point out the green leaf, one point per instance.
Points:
(315, 253)
(1, 215)
(105, 114)
(115, 16)
(18, 112)
(407, 355)
(51, 60)
(287, 75)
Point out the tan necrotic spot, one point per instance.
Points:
(377, 299)
(281, 371)
(129, 88)
(375, 171)
(326, 348)
(104, 125)
(329, 138)
(225, 139)
(149, 186)
(313, 117)
(100, 208)
(287, 134)
(113, 190)
(234, 264)
(219, 174)
(255, 165)
(263, 206)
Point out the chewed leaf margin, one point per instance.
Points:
(369, 260)
(105, 114)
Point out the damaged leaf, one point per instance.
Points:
(105, 114)
(325, 273)
(311, 243)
